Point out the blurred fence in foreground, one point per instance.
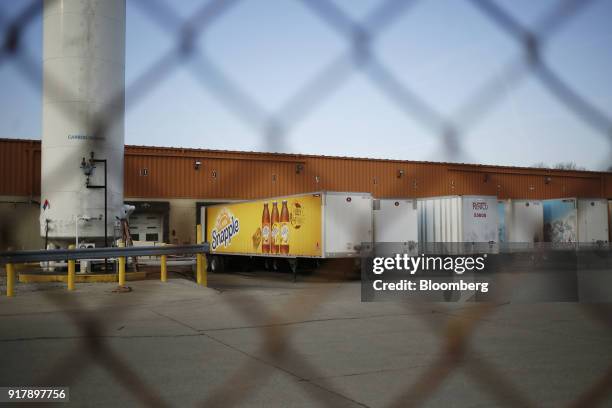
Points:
(449, 131)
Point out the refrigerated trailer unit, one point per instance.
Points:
(458, 219)
(314, 225)
(579, 220)
(396, 224)
(521, 221)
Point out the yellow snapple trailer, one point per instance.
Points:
(322, 224)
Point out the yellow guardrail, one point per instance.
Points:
(201, 264)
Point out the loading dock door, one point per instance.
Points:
(146, 227)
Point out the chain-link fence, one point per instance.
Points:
(449, 131)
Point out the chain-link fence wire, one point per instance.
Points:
(274, 128)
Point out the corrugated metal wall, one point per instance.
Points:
(19, 167)
(170, 173)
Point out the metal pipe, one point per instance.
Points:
(105, 187)
(16, 257)
(76, 231)
(46, 233)
(105, 208)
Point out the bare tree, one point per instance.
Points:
(569, 165)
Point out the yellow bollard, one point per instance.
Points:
(201, 277)
(121, 266)
(71, 270)
(164, 268)
(10, 280)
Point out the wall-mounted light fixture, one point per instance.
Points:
(197, 164)
(298, 168)
(317, 179)
(400, 173)
(547, 180)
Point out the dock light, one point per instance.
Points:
(298, 168)
(400, 173)
(197, 164)
(547, 180)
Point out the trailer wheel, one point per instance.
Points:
(293, 264)
(216, 264)
(247, 265)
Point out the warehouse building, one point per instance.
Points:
(169, 185)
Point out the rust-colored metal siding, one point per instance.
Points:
(19, 167)
(171, 173)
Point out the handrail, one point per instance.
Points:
(16, 257)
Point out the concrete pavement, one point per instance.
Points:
(260, 340)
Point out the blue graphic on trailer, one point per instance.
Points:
(501, 211)
(560, 221)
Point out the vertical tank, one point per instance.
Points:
(83, 86)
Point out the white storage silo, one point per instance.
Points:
(83, 86)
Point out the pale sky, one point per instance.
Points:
(440, 50)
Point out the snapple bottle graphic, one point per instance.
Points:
(265, 230)
(284, 229)
(275, 241)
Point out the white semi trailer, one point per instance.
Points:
(316, 225)
(582, 220)
(396, 224)
(459, 223)
(521, 221)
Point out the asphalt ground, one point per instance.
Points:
(258, 339)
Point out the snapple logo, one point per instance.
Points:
(226, 227)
